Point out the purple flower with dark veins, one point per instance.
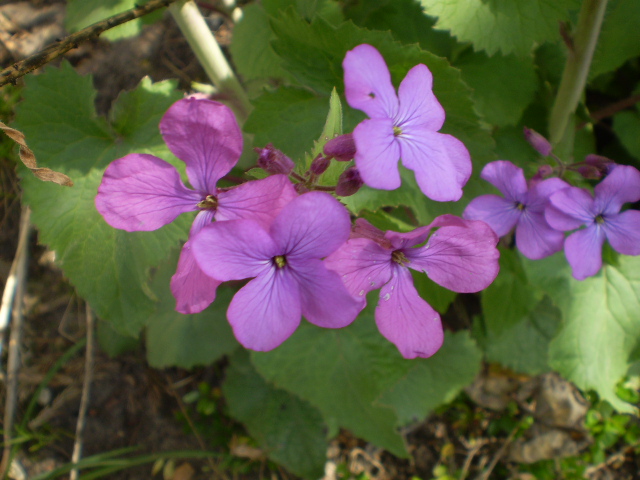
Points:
(574, 207)
(141, 192)
(402, 126)
(284, 261)
(461, 256)
(521, 207)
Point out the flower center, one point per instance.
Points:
(398, 257)
(280, 261)
(209, 203)
(397, 131)
(600, 219)
(520, 206)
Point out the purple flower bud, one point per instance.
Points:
(603, 164)
(320, 164)
(590, 172)
(274, 161)
(537, 141)
(543, 171)
(301, 188)
(342, 148)
(349, 182)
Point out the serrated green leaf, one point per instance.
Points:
(289, 429)
(433, 381)
(342, 372)
(177, 340)
(82, 13)
(109, 267)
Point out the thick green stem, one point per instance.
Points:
(204, 45)
(576, 70)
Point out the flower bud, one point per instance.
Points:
(274, 161)
(349, 182)
(604, 164)
(300, 188)
(537, 141)
(320, 164)
(543, 171)
(590, 172)
(342, 148)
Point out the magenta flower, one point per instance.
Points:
(461, 256)
(521, 207)
(141, 192)
(573, 207)
(289, 277)
(403, 126)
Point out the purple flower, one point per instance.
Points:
(403, 126)
(140, 192)
(289, 277)
(460, 256)
(522, 207)
(573, 207)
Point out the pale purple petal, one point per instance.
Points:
(570, 208)
(234, 250)
(191, 287)
(377, 153)
(312, 225)
(583, 250)
(460, 258)
(362, 264)
(621, 186)
(535, 238)
(367, 83)
(205, 135)
(507, 178)
(406, 320)
(259, 200)
(324, 298)
(539, 193)
(441, 162)
(623, 232)
(141, 193)
(408, 239)
(501, 214)
(266, 311)
(418, 104)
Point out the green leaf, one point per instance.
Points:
(434, 381)
(342, 372)
(289, 429)
(619, 39)
(601, 322)
(177, 340)
(438, 297)
(513, 26)
(112, 342)
(108, 267)
(626, 125)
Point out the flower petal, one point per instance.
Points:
(266, 311)
(623, 232)
(501, 214)
(460, 258)
(539, 193)
(406, 320)
(234, 250)
(418, 104)
(507, 178)
(205, 135)
(583, 250)
(441, 162)
(324, 298)
(259, 200)
(367, 83)
(313, 225)
(535, 238)
(377, 153)
(621, 186)
(570, 208)
(142, 193)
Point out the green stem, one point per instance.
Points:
(576, 70)
(204, 45)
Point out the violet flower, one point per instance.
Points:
(141, 192)
(289, 277)
(573, 207)
(461, 256)
(521, 207)
(403, 126)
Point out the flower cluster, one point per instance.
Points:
(295, 243)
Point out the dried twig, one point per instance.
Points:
(503, 448)
(86, 390)
(13, 362)
(21, 68)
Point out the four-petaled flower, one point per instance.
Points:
(289, 277)
(461, 256)
(522, 207)
(403, 126)
(573, 207)
(141, 192)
